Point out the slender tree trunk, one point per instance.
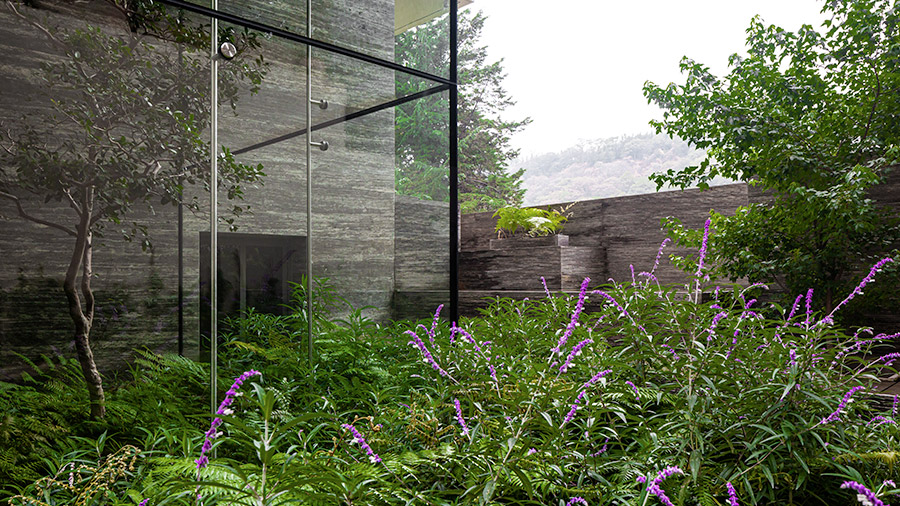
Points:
(83, 317)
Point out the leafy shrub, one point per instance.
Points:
(534, 222)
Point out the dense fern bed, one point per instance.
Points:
(654, 399)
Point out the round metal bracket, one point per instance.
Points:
(227, 50)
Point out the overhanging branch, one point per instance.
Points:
(35, 219)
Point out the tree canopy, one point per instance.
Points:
(811, 117)
(422, 144)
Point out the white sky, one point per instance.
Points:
(577, 67)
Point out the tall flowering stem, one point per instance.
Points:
(575, 315)
(859, 288)
(361, 441)
(575, 405)
(224, 409)
(426, 355)
(659, 255)
(574, 353)
(655, 489)
(732, 495)
(703, 249)
(860, 489)
(836, 415)
(460, 419)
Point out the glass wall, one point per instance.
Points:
(105, 196)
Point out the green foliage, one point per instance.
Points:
(808, 117)
(533, 221)
(554, 402)
(421, 140)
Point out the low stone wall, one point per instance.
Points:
(622, 231)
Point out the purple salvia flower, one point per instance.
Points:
(144, 502)
(574, 500)
(880, 421)
(656, 490)
(837, 413)
(602, 449)
(659, 255)
(494, 375)
(749, 303)
(571, 414)
(575, 315)
(859, 289)
(888, 359)
(674, 354)
(636, 396)
(574, 353)
(633, 279)
(641, 479)
(732, 495)
(793, 355)
(716, 320)
(809, 295)
(434, 323)
(733, 343)
(460, 419)
(426, 355)
(546, 290)
(649, 276)
(889, 483)
(470, 338)
(860, 489)
(703, 247)
(596, 378)
(224, 409)
(361, 441)
(531, 451)
(453, 330)
(794, 308)
(716, 293)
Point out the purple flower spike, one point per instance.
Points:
(732, 495)
(656, 490)
(574, 353)
(837, 413)
(426, 355)
(360, 440)
(224, 409)
(578, 500)
(859, 289)
(144, 502)
(809, 295)
(460, 419)
(636, 396)
(863, 492)
(703, 246)
(659, 255)
(715, 322)
(575, 315)
(880, 420)
(546, 290)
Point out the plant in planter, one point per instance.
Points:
(533, 221)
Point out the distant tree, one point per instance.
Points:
(813, 118)
(422, 144)
(122, 126)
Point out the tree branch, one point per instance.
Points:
(34, 219)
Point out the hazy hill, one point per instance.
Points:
(603, 168)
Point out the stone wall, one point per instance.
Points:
(623, 231)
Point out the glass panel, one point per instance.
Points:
(377, 248)
(107, 131)
(262, 230)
